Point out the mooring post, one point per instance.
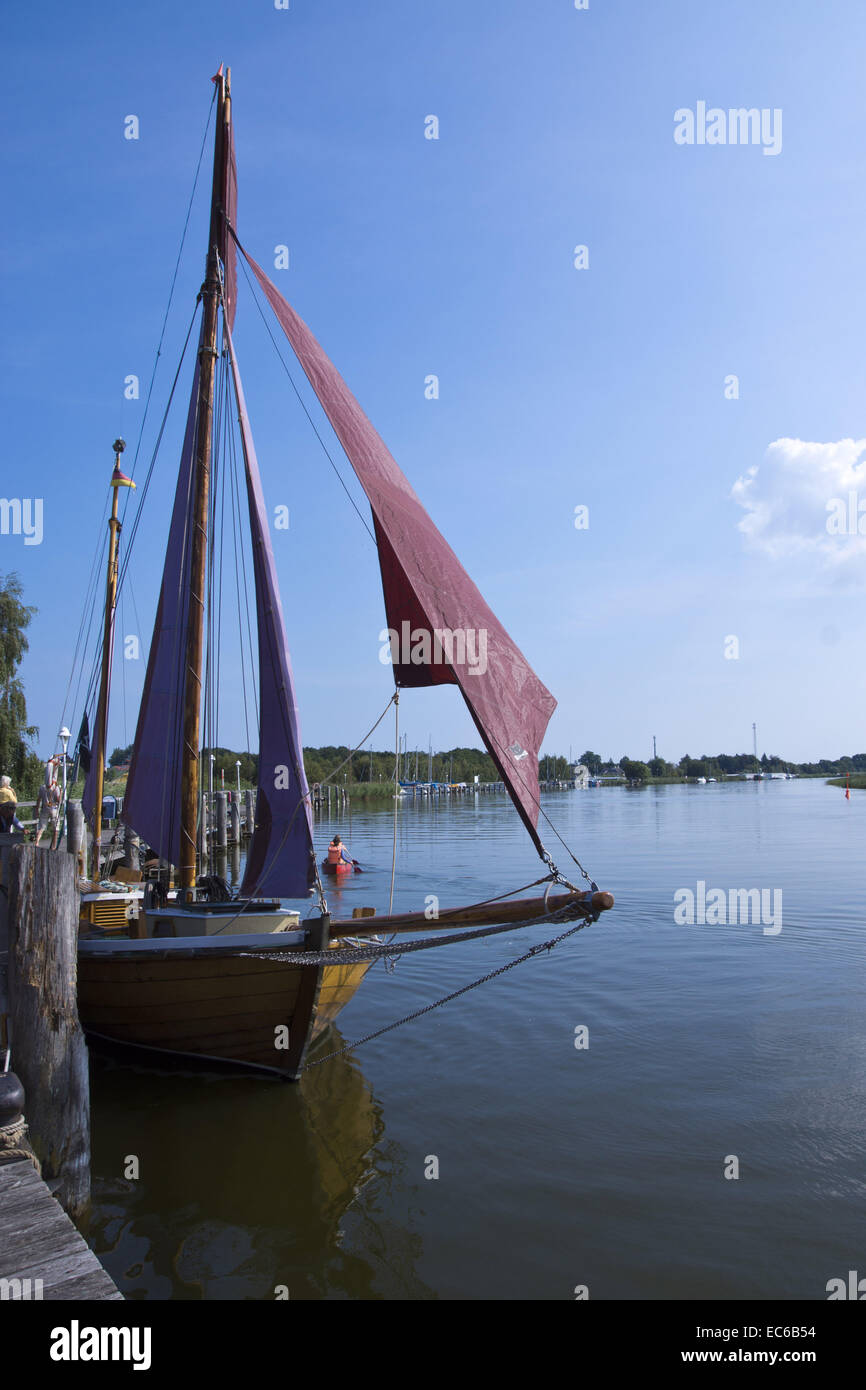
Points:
(75, 833)
(235, 819)
(202, 828)
(249, 822)
(131, 846)
(49, 1050)
(221, 828)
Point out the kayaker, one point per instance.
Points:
(337, 853)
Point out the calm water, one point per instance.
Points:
(557, 1167)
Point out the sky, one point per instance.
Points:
(694, 378)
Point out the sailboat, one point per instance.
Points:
(240, 978)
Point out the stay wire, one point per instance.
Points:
(303, 403)
(170, 295)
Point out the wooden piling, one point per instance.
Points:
(131, 846)
(75, 833)
(47, 1039)
(202, 828)
(249, 814)
(221, 822)
(234, 822)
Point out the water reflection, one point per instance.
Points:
(243, 1183)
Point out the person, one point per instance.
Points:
(337, 853)
(9, 806)
(48, 801)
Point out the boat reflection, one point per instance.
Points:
(242, 1184)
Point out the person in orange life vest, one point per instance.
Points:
(337, 853)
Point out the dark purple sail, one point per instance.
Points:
(151, 804)
(280, 859)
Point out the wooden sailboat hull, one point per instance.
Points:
(242, 1008)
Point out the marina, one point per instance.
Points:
(431, 819)
(556, 1165)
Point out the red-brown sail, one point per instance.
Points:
(442, 629)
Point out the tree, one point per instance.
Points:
(659, 768)
(634, 771)
(17, 760)
(591, 761)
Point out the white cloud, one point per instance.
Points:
(802, 502)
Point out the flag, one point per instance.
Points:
(82, 746)
(119, 479)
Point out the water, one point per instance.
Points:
(558, 1167)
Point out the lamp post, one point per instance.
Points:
(238, 766)
(64, 737)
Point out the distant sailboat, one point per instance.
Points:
(212, 976)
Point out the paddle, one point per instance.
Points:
(358, 869)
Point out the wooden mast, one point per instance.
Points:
(105, 678)
(210, 293)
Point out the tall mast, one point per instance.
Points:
(210, 293)
(101, 732)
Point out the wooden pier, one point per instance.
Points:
(42, 1256)
(46, 1120)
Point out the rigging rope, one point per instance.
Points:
(455, 994)
(325, 780)
(170, 297)
(303, 405)
(396, 794)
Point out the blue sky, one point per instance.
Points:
(559, 387)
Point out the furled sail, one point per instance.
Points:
(442, 631)
(280, 859)
(151, 803)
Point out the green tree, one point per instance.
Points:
(591, 761)
(17, 760)
(634, 771)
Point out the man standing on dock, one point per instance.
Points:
(48, 808)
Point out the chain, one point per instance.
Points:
(428, 1008)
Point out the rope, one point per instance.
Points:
(170, 298)
(12, 1147)
(396, 794)
(301, 400)
(446, 999)
(325, 780)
